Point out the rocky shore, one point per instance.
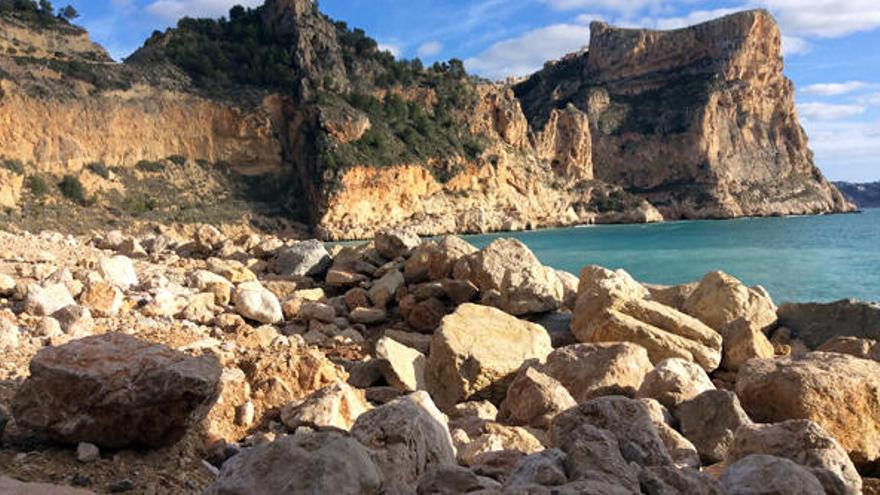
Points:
(255, 365)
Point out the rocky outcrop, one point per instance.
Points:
(682, 118)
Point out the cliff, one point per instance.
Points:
(700, 121)
(693, 123)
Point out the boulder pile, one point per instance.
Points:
(206, 362)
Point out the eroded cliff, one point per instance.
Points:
(693, 123)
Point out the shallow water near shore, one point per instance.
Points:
(819, 258)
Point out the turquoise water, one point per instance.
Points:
(822, 258)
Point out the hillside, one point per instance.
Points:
(313, 123)
(863, 195)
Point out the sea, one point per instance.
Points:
(797, 259)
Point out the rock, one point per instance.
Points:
(341, 277)
(208, 239)
(338, 406)
(407, 437)
(116, 391)
(674, 381)
(75, 320)
(203, 280)
(854, 346)
(815, 386)
(48, 327)
(764, 474)
(720, 299)
(318, 462)
(356, 298)
(232, 270)
(254, 302)
(545, 468)
(4, 419)
(310, 310)
(592, 454)
(476, 352)
(814, 323)
(9, 486)
(594, 370)
(426, 315)
(628, 421)
(534, 398)
(392, 244)
(417, 341)
(665, 480)
(119, 271)
(306, 258)
(435, 261)
(558, 326)
(402, 366)
(452, 480)
(44, 301)
(805, 443)
(367, 316)
(673, 296)
(384, 289)
(683, 453)
(495, 441)
(10, 335)
(612, 307)
(103, 299)
(710, 421)
(87, 452)
(510, 269)
(569, 288)
(7, 285)
(743, 341)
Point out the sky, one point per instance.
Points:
(831, 47)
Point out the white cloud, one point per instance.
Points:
(390, 48)
(828, 111)
(833, 89)
(430, 49)
(527, 53)
(846, 150)
(695, 17)
(825, 18)
(171, 10)
(622, 6)
(792, 45)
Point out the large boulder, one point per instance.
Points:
(720, 299)
(593, 454)
(435, 261)
(406, 437)
(395, 243)
(854, 346)
(534, 398)
(839, 392)
(766, 475)
(629, 422)
(318, 462)
(476, 352)
(683, 453)
(44, 301)
(403, 367)
(814, 323)
(612, 307)
(338, 406)
(255, 302)
(674, 381)
(512, 278)
(664, 480)
(305, 258)
(743, 340)
(119, 271)
(593, 370)
(710, 421)
(805, 443)
(116, 391)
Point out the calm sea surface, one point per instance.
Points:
(823, 258)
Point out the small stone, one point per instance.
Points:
(245, 414)
(674, 381)
(394, 243)
(316, 311)
(43, 301)
(254, 302)
(121, 486)
(306, 258)
(119, 271)
(367, 316)
(402, 367)
(102, 299)
(87, 452)
(75, 320)
(384, 289)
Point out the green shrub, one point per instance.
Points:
(72, 189)
(177, 160)
(13, 165)
(148, 166)
(99, 169)
(37, 185)
(140, 204)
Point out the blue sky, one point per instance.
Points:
(832, 47)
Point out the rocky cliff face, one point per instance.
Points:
(693, 123)
(700, 121)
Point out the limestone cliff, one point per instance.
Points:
(693, 123)
(700, 121)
